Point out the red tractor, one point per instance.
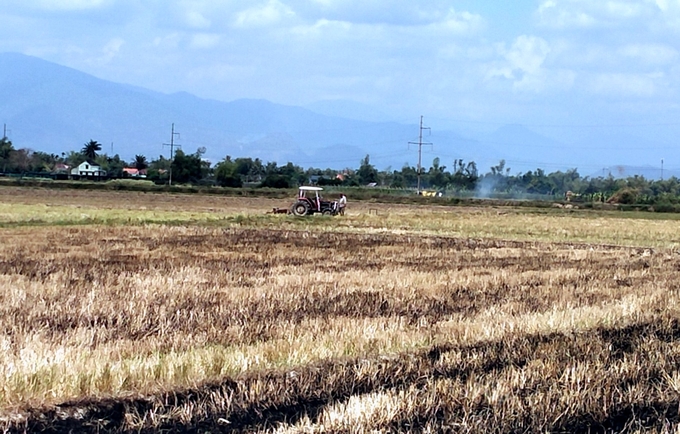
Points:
(309, 201)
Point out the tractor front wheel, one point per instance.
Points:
(300, 208)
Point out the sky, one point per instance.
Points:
(568, 69)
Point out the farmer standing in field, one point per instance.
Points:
(341, 204)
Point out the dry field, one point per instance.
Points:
(145, 313)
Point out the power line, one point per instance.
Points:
(172, 149)
(420, 148)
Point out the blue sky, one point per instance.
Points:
(569, 69)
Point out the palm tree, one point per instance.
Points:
(6, 150)
(140, 162)
(90, 150)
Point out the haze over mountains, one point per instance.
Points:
(56, 109)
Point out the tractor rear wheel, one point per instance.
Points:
(300, 208)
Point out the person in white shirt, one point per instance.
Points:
(342, 203)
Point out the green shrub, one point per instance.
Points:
(665, 207)
(276, 181)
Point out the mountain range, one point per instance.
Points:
(53, 108)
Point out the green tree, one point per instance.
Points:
(367, 173)
(6, 150)
(140, 162)
(225, 174)
(500, 169)
(187, 168)
(73, 158)
(250, 170)
(295, 174)
(20, 160)
(276, 181)
(497, 179)
(409, 176)
(541, 184)
(397, 180)
(112, 165)
(567, 181)
(159, 170)
(42, 162)
(90, 150)
(271, 168)
(437, 175)
(464, 175)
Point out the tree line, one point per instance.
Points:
(462, 178)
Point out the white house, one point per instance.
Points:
(86, 169)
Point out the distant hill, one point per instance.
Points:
(53, 108)
(56, 109)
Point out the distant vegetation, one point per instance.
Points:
(463, 179)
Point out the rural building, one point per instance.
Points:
(61, 168)
(87, 170)
(61, 171)
(134, 172)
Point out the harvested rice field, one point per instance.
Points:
(127, 312)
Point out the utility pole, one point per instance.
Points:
(420, 149)
(172, 149)
(662, 169)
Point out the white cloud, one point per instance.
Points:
(112, 48)
(624, 9)
(167, 42)
(552, 14)
(386, 45)
(260, 16)
(324, 27)
(622, 84)
(459, 22)
(629, 15)
(107, 54)
(588, 13)
(650, 54)
(669, 12)
(528, 53)
(523, 67)
(69, 5)
(205, 40)
(523, 63)
(55, 6)
(381, 12)
(661, 4)
(197, 20)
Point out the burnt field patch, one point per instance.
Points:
(293, 276)
(263, 329)
(525, 383)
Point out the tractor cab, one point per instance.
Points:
(307, 192)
